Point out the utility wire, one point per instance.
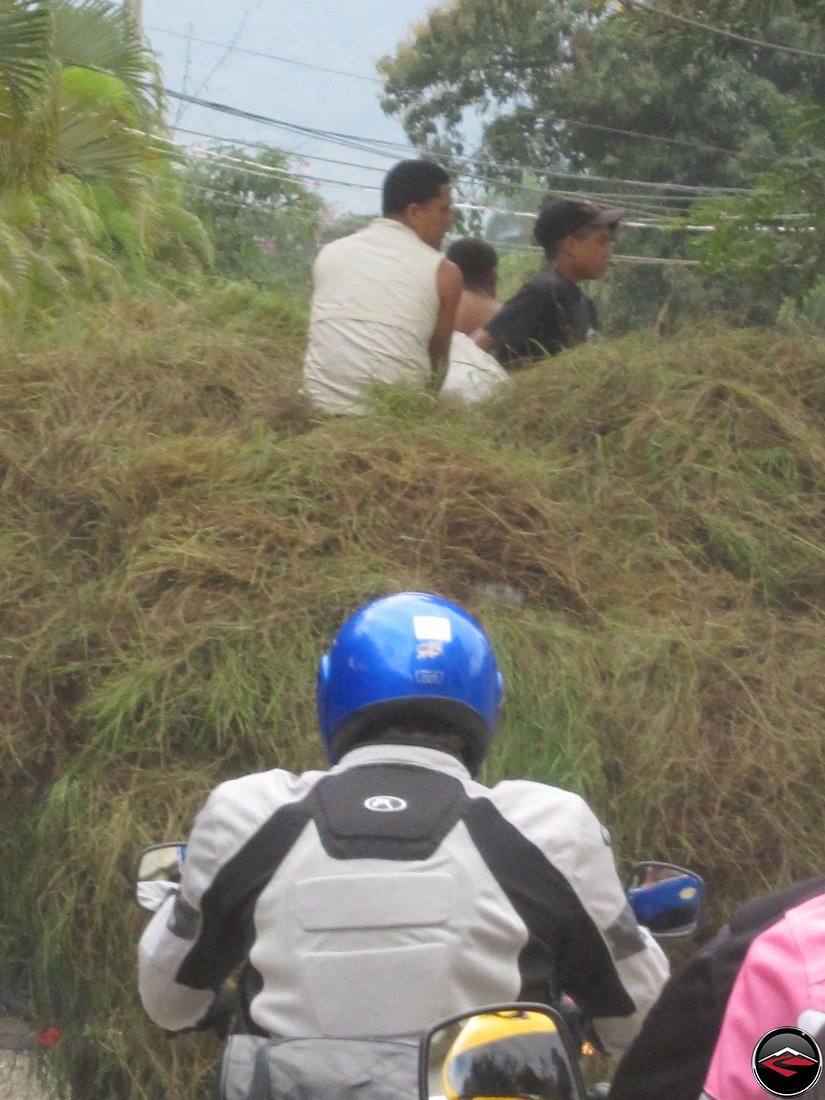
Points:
(256, 168)
(249, 167)
(504, 186)
(382, 147)
(227, 199)
(230, 198)
(269, 56)
(665, 261)
(291, 152)
(226, 52)
(390, 148)
(377, 145)
(637, 5)
(642, 134)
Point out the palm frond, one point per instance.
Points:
(105, 277)
(181, 228)
(18, 209)
(95, 145)
(46, 277)
(100, 35)
(15, 259)
(27, 141)
(124, 227)
(25, 59)
(68, 210)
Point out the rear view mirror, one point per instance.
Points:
(158, 870)
(505, 1050)
(666, 898)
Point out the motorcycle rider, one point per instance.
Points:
(394, 889)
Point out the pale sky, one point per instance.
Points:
(346, 35)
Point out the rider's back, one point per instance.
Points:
(395, 890)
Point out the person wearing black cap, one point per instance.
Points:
(551, 312)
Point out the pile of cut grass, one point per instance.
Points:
(640, 527)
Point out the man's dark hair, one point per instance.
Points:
(474, 257)
(411, 181)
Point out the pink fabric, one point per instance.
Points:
(782, 978)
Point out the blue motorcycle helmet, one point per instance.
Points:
(409, 658)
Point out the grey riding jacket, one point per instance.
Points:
(373, 899)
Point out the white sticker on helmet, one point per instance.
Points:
(432, 628)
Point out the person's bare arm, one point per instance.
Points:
(449, 284)
(483, 338)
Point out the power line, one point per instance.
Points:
(255, 168)
(648, 137)
(389, 149)
(665, 261)
(250, 167)
(268, 171)
(269, 56)
(229, 198)
(226, 52)
(375, 144)
(369, 144)
(503, 185)
(291, 152)
(226, 198)
(637, 5)
(381, 147)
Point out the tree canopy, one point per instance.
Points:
(263, 219)
(753, 240)
(655, 107)
(607, 87)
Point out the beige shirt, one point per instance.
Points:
(374, 308)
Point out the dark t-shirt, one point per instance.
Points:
(547, 315)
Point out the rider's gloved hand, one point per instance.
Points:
(152, 893)
(221, 1013)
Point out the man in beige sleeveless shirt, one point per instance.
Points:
(384, 298)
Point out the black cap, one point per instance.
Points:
(559, 218)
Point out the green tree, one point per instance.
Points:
(263, 220)
(584, 95)
(343, 225)
(773, 238)
(604, 88)
(84, 195)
